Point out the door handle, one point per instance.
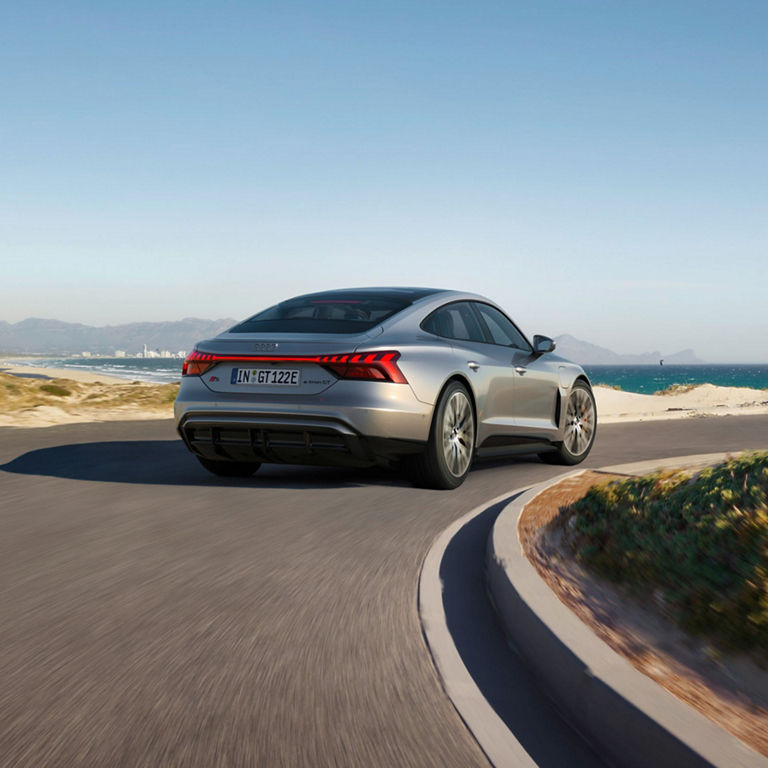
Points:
(473, 365)
(521, 369)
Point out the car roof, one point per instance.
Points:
(415, 294)
(412, 292)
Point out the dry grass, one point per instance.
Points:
(677, 389)
(21, 396)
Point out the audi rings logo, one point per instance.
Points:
(265, 346)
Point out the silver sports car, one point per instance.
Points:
(420, 378)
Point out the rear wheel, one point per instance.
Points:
(580, 428)
(445, 462)
(230, 468)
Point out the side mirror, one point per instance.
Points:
(543, 344)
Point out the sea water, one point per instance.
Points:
(648, 379)
(153, 369)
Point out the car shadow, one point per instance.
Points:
(168, 462)
(499, 673)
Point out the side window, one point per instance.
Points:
(501, 329)
(454, 321)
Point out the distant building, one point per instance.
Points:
(119, 353)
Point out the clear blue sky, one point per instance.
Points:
(599, 168)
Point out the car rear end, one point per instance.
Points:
(297, 384)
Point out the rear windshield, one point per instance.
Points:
(331, 312)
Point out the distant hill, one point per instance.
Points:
(53, 337)
(590, 354)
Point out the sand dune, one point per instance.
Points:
(43, 397)
(702, 400)
(94, 397)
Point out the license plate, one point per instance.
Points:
(279, 377)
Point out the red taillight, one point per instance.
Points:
(371, 366)
(197, 363)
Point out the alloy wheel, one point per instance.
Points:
(579, 421)
(458, 433)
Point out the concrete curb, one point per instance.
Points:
(628, 717)
(496, 740)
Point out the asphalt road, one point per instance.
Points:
(152, 614)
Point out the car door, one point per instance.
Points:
(534, 388)
(485, 365)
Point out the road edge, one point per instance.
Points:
(496, 741)
(625, 714)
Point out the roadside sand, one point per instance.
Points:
(44, 399)
(108, 398)
(703, 400)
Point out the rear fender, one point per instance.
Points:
(427, 367)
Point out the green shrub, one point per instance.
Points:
(54, 389)
(703, 541)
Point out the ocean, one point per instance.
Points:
(645, 379)
(154, 369)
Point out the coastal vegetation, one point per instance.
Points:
(676, 389)
(18, 394)
(697, 542)
(55, 389)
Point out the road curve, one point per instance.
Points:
(155, 615)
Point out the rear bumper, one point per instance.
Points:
(285, 440)
(351, 424)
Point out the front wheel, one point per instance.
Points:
(445, 462)
(229, 468)
(580, 428)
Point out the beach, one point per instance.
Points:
(36, 371)
(44, 397)
(703, 400)
(93, 396)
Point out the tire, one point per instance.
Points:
(229, 468)
(445, 462)
(579, 430)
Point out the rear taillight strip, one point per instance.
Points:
(374, 366)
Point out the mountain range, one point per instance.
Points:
(54, 337)
(584, 353)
